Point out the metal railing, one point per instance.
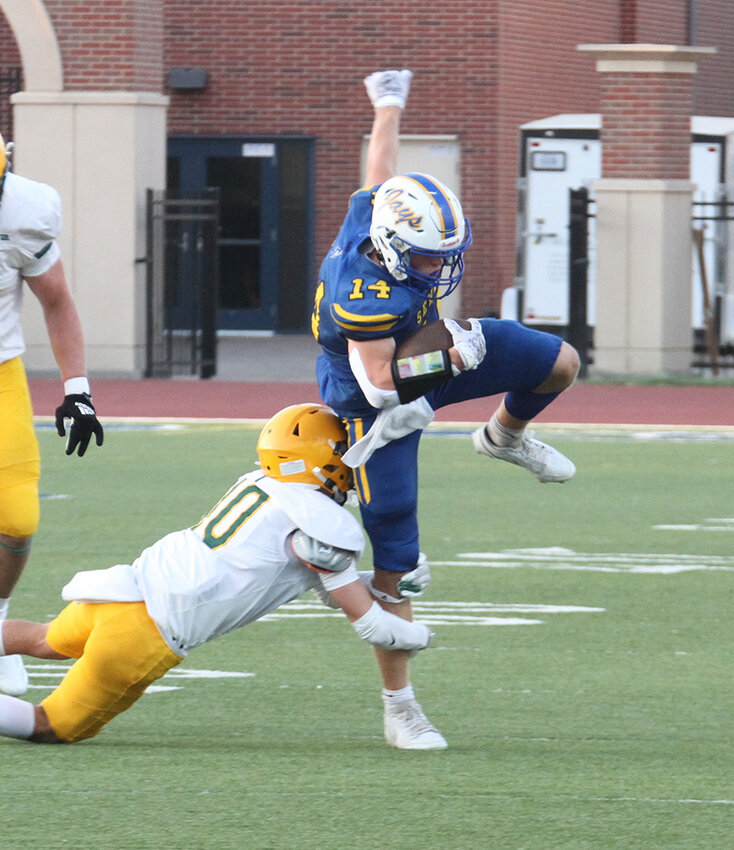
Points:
(182, 283)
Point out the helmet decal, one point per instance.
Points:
(402, 211)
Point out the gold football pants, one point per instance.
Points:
(120, 652)
(20, 461)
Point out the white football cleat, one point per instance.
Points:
(408, 728)
(541, 460)
(388, 88)
(13, 676)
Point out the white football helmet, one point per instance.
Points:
(418, 215)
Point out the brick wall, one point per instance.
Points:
(542, 74)
(110, 44)
(9, 62)
(660, 22)
(295, 67)
(647, 128)
(10, 54)
(714, 82)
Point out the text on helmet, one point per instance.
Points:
(402, 211)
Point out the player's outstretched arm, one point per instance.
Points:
(388, 91)
(374, 624)
(342, 586)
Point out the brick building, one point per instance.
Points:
(283, 78)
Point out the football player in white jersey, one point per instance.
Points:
(30, 219)
(278, 532)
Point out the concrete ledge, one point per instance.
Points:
(90, 98)
(646, 58)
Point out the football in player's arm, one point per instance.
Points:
(278, 532)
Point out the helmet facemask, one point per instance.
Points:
(435, 284)
(332, 479)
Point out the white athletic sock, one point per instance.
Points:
(17, 717)
(394, 697)
(502, 436)
(3, 614)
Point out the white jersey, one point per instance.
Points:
(30, 220)
(231, 568)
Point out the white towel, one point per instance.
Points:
(391, 424)
(116, 584)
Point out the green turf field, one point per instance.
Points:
(581, 670)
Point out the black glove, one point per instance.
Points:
(84, 422)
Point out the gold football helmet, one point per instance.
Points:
(304, 443)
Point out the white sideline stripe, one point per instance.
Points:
(59, 670)
(467, 425)
(177, 672)
(694, 527)
(558, 558)
(187, 673)
(430, 620)
(435, 613)
(583, 798)
(660, 800)
(421, 605)
(434, 620)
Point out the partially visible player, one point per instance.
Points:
(30, 220)
(399, 251)
(278, 532)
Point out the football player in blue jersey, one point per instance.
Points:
(399, 251)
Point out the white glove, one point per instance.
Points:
(416, 581)
(470, 344)
(387, 631)
(391, 424)
(388, 88)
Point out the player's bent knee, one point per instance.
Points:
(15, 545)
(565, 369)
(19, 512)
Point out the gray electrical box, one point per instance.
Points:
(187, 78)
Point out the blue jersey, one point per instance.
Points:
(358, 299)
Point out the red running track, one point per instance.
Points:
(583, 403)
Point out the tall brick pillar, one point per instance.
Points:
(643, 208)
(91, 121)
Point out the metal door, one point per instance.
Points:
(245, 175)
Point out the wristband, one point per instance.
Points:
(415, 375)
(382, 596)
(76, 386)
